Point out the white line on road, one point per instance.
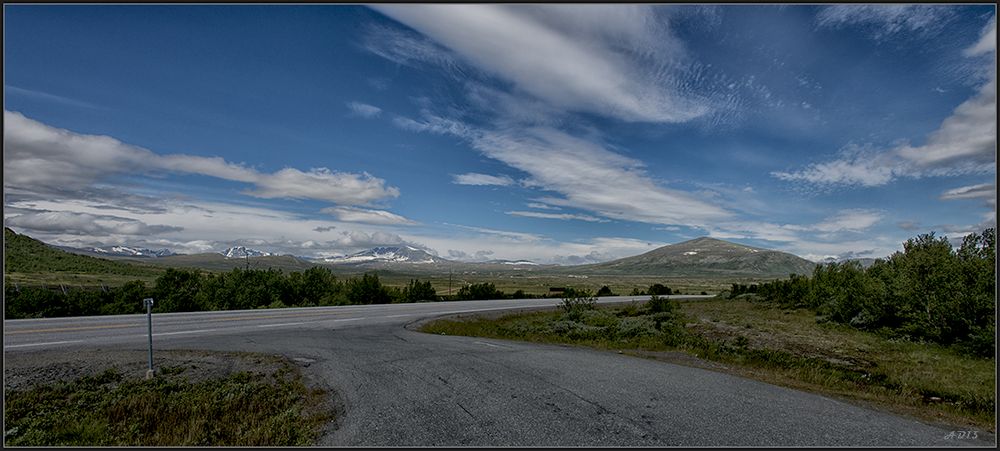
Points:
(42, 344)
(490, 344)
(279, 325)
(184, 332)
(349, 319)
(397, 316)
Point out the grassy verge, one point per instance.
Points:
(241, 409)
(784, 347)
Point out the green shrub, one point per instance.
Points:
(418, 291)
(659, 289)
(479, 291)
(575, 302)
(656, 304)
(928, 292)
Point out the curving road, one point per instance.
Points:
(404, 388)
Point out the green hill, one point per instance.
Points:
(703, 257)
(26, 255)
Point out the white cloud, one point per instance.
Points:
(364, 110)
(542, 206)
(581, 171)
(857, 166)
(562, 216)
(591, 178)
(41, 158)
(985, 191)
(367, 216)
(964, 143)
(405, 47)
(516, 246)
(84, 224)
(886, 20)
(322, 184)
(581, 58)
(192, 226)
(473, 178)
(816, 251)
(835, 236)
(851, 220)
(507, 235)
(987, 42)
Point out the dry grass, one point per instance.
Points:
(110, 409)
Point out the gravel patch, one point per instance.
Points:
(25, 370)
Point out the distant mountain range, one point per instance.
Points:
(127, 251)
(703, 257)
(511, 262)
(387, 254)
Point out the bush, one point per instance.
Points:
(419, 291)
(656, 304)
(575, 302)
(604, 291)
(636, 327)
(176, 291)
(367, 290)
(929, 291)
(659, 289)
(479, 291)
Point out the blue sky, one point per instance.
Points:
(558, 133)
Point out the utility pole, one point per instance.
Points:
(449, 282)
(149, 323)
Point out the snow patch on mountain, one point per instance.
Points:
(513, 262)
(243, 252)
(129, 251)
(388, 254)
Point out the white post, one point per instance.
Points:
(149, 323)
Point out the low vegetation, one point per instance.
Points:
(783, 346)
(928, 292)
(180, 290)
(185, 290)
(110, 409)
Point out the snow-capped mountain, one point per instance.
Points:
(128, 251)
(512, 262)
(243, 252)
(394, 254)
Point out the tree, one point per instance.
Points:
(177, 290)
(659, 289)
(479, 291)
(604, 291)
(367, 290)
(417, 291)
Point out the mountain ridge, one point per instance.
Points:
(700, 257)
(704, 256)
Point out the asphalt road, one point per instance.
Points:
(399, 387)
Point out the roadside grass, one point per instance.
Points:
(781, 346)
(110, 409)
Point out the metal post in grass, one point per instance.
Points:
(149, 322)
